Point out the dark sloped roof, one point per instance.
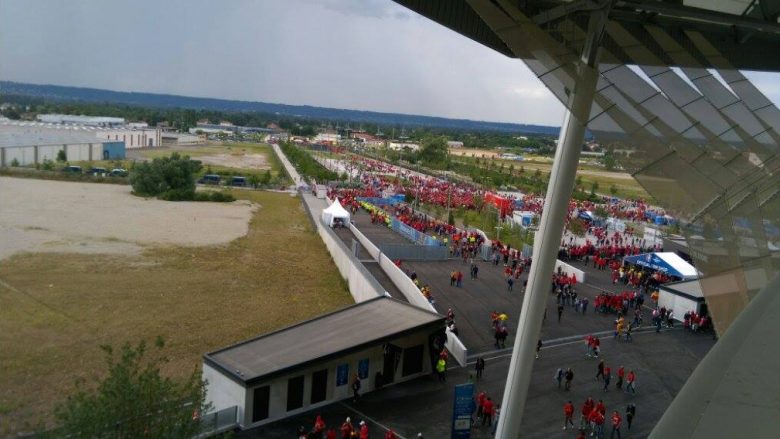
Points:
(330, 335)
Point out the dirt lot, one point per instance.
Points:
(56, 309)
(244, 161)
(56, 216)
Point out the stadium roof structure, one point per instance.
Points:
(662, 79)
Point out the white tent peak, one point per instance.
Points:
(335, 211)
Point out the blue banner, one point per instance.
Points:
(342, 374)
(462, 409)
(363, 368)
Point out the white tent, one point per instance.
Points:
(333, 212)
(665, 262)
(682, 297)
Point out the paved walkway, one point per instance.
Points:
(662, 361)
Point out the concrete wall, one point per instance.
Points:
(25, 155)
(222, 392)
(362, 284)
(457, 348)
(404, 284)
(375, 356)
(569, 269)
(365, 242)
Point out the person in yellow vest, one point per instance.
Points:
(441, 369)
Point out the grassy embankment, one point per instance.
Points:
(56, 309)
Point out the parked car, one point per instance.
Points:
(118, 172)
(97, 171)
(238, 181)
(72, 169)
(210, 179)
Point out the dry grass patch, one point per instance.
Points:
(55, 309)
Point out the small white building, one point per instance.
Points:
(397, 146)
(454, 144)
(327, 137)
(382, 341)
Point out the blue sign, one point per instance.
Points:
(462, 409)
(342, 374)
(363, 368)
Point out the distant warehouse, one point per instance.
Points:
(30, 143)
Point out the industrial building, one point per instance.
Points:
(93, 121)
(28, 144)
(133, 137)
(311, 364)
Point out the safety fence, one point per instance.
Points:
(411, 252)
(456, 348)
(378, 201)
(219, 422)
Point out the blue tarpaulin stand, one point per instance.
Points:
(463, 406)
(666, 262)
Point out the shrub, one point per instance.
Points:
(62, 156)
(15, 163)
(168, 177)
(47, 165)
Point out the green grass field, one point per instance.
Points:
(57, 309)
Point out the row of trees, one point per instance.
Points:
(305, 164)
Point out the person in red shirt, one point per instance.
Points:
(587, 407)
(487, 411)
(319, 426)
(601, 407)
(363, 430)
(347, 429)
(616, 421)
(620, 375)
(390, 434)
(598, 424)
(568, 412)
(481, 397)
(630, 382)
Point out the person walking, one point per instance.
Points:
(568, 413)
(560, 311)
(363, 430)
(630, 382)
(620, 375)
(479, 367)
(616, 421)
(569, 377)
(509, 284)
(587, 407)
(630, 413)
(538, 347)
(600, 370)
(347, 429)
(487, 411)
(441, 369)
(355, 387)
(559, 376)
(607, 377)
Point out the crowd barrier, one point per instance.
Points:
(569, 269)
(362, 284)
(456, 348)
(411, 252)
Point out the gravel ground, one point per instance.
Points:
(56, 216)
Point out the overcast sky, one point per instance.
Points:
(356, 54)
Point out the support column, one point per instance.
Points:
(548, 238)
